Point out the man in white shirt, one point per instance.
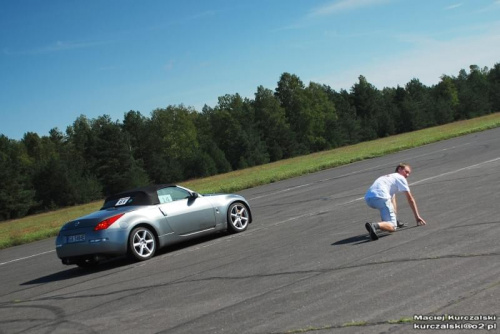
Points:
(382, 196)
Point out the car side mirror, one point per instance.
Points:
(194, 195)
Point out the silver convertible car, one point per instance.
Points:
(140, 221)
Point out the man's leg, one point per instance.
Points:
(387, 215)
(389, 221)
(386, 226)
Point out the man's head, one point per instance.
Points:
(403, 169)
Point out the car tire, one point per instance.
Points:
(142, 244)
(238, 217)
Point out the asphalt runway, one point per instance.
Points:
(305, 265)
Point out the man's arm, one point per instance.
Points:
(394, 204)
(414, 208)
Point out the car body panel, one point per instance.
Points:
(187, 216)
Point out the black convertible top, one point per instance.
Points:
(147, 195)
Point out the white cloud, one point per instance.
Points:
(330, 9)
(343, 5)
(207, 13)
(453, 6)
(57, 46)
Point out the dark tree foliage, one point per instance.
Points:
(366, 99)
(445, 97)
(494, 87)
(114, 164)
(16, 192)
(272, 126)
(211, 159)
(97, 157)
(417, 106)
(473, 93)
(57, 174)
(347, 128)
(172, 144)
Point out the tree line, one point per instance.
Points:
(98, 157)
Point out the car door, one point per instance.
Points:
(186, 214)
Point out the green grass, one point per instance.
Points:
(38, 227)
(404, 320)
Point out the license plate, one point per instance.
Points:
(76, 238)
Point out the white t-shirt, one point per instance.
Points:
(388, 185)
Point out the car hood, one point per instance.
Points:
(222, 195)
(96, 217)
(224, 199)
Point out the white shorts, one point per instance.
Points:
(386, 209)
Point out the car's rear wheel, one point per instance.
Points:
(238, 217)
(142, 244)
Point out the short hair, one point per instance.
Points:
(402, 165)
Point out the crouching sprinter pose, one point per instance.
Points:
(382, 196)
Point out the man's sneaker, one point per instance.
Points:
(371, 230)
(401, 224)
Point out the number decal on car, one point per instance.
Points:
(122, 201)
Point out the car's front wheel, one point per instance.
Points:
(142, 244)
(238, 217)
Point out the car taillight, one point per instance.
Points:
(107, 222)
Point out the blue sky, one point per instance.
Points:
(60, 59)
